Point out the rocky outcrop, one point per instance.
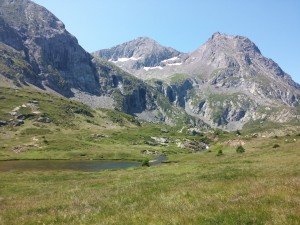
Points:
(55, 57)
(134, 96)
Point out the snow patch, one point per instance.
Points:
(171, 59)
(125, 59)
(153, 68)
(174, 64)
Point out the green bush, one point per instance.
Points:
(220, 152)
(146, 163)
(276, 146)
(240, 149)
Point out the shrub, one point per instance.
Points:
(146, 163)
(238, 132)
(220, 152)
(276, 146)
(240, 149)
(217, 132)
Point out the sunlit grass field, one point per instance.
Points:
(260, 186)
(215, 186)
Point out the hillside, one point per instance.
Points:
(37, 51)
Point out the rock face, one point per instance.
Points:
(54, 55)
(36, 49)
(227, 82)
(134, 96)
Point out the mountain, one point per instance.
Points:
(37, 50)
(226, 82)
(141, 53)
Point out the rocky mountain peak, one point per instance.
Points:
(235, 52)
(138, 53)
(225, 45)
(223, 82)
(31, 18)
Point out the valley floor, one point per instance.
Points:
(260, 186)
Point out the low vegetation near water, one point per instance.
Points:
(213, 186)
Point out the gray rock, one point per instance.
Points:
(3, 123)
(24, 116)
(17, 123)
(33, 102)
(43, 120)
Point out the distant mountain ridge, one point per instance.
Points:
(226, 82)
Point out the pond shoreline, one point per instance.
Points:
(63, 165)
(72, 164)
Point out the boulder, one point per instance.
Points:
(44, 120)
(18, 123)
(3, 123)
(24, 116)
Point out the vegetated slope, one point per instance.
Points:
(260, 186)
(227, 82)
(36, 49)
(39, 125)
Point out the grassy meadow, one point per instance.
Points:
(260, 186)
(215, 186)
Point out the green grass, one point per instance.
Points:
(76, 131)
(261, 186)
(178, 78)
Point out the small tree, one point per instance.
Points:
(240, 149)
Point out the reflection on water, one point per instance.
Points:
(44, 165)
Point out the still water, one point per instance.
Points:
(46, 165)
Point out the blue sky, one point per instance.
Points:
(273, 25)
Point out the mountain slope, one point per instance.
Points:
(226, 82)
(54, 54)
(36, 49)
